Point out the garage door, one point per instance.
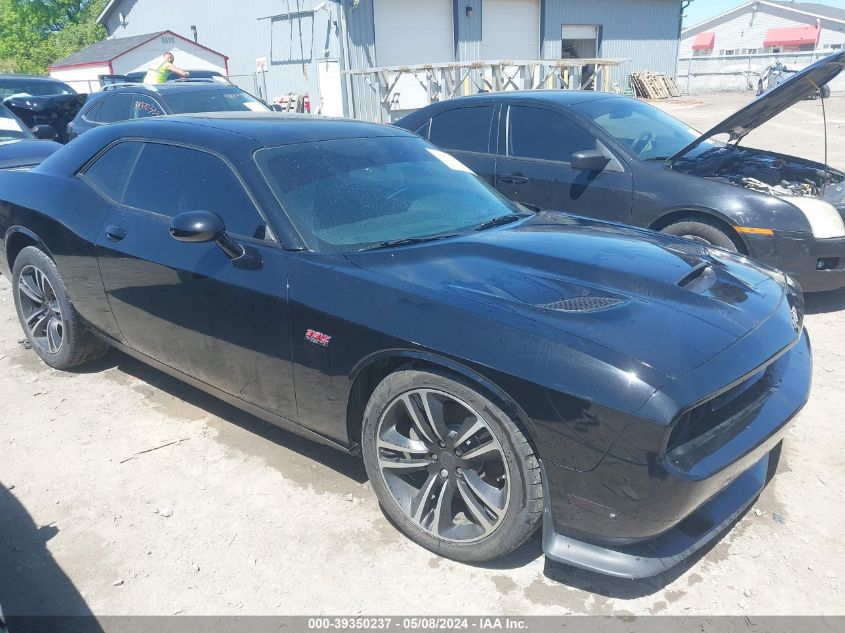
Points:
(412, 32)
(510, 29)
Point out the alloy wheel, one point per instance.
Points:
(443, 465)
(40, 309)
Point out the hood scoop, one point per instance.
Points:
(584, 303)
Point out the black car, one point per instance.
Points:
(41, 101)
(19, 147)
(32, 86)
(616, 158)
(495, 368)
(124, 102)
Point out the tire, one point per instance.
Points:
(50, 322)
(475, 454)
(704, 231)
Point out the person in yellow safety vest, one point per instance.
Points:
(158, 71)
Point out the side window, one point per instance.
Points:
(143, 106)
(424, 129)
(92, 114)
(110, 172)
(463, 129)
(169, 180)
(115, 108)
(546, 135)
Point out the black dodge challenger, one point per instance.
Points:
(496, 368)
(620, 159)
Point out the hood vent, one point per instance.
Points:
(585, 303)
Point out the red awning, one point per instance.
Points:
(704, 41)
(794, 36)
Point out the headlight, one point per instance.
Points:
(823, 217)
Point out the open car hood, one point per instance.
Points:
(768, 105)
(33, 109)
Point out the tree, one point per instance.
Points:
(35, 33)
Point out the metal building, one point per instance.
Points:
(311, 46)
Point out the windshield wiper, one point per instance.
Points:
(406, 241)
(502, 219)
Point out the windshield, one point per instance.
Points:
(33, 88)
(233, 100)
(646, 131)
(11, 129)
(345, 195)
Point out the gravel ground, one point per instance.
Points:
(123, 491)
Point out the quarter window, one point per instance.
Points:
(110, 172)
(545, 135)
(115, 108)
(168, 180)
(463, 129)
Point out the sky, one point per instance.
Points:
(700, 10)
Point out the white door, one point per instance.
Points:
(510, 31)
(411, 32)
(331, 96)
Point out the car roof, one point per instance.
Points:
(169, 87)
(268, 129)
(562, 97)
(32, 78)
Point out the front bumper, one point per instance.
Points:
(643, 509)
(648, 558)
(818, 265)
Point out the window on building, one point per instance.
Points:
(702, 52)
(110, 172)
(580, 41)
(463, 129)
(835, 47)
(169, 180)
(728, 51)
(546, 135)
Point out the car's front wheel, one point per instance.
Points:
(703, 231)
(451, 469)
(51, 324)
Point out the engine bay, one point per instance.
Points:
(775, 174)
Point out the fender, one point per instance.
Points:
(431, 358)
(11, 235)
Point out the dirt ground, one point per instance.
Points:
(233, 516)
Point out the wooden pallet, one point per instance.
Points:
(651, 85)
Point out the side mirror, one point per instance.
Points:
(825, 91)
(207, 226)
(44, 132)
(275, 107)
(589, 160)
(197, 226)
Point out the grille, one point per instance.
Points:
(712, 424)
(587, 303)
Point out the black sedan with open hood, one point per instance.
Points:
(497, 369)
(616, 158)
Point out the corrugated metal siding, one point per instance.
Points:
(234, 29)
(747, 29)
(646, 31)
(364, 102)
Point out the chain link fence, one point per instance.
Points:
(740, 73)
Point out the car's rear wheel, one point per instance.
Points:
(50, 322)
(703, 231)
(451, 469)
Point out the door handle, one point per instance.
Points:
(115, 233)
(514, 179)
